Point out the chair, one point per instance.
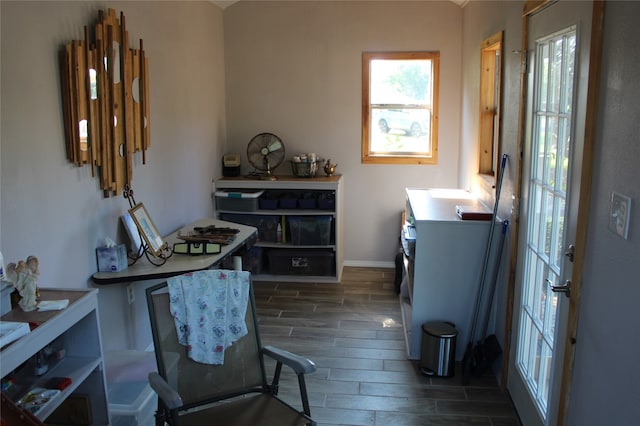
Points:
(236, 392)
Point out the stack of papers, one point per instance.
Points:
(10, 331)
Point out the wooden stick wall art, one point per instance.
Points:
(105, 90)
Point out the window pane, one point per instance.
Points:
(403, 82)
(400, 130)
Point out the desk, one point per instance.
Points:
(180, 263)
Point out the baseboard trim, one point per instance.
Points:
(369, 264)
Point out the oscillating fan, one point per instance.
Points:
(265, 152)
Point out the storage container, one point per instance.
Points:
(267, 225)
(252, 260)
(307, 169)
(268, 203)
(302, 262)
(326, 200)
(309, 230)
(326, 204)
(307, 203)
(437, 357)
(288, 201)
(131, 400)
(237, 201)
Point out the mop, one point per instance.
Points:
(468, 354)
(488, 350)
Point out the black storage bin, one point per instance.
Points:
(438, 355)
(302, 262)
(267, 224)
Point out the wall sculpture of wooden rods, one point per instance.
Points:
(105, 90)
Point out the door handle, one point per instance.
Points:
(564, 288)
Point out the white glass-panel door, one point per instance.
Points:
(544, 248)
(558, 69)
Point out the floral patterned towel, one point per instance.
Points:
(209, 310)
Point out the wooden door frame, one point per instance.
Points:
(593, 86)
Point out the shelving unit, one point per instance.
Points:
(310, 247)
(74, 333)
(443, 269)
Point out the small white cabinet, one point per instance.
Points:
(443, 269)
(74, 335)
(299, 222)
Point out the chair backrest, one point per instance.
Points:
(243, 368)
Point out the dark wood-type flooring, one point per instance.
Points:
(352, 330)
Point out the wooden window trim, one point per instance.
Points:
(490, 104)
(367, 156)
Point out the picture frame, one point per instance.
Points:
(147, 229)
(132, 231)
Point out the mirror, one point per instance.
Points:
(84, 135)
(93, 84)
(490, 100)
(135, 90)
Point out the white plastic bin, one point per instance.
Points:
(132, 402)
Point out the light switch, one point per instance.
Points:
(619, 214)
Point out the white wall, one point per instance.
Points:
(481, 20)
(54, 210)
(294, 69)
(605, 387)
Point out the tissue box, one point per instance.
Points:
(112, 259)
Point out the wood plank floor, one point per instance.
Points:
(353, 332)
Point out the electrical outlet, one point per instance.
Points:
(130, 296)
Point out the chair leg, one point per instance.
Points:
(303, 394)
(161, 414)
(275, 384)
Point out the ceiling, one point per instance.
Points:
(223, 4)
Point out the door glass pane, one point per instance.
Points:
(543, 70)
(551, 148)
(563, 153)
(543, 257)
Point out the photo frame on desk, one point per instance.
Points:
(147, 229)
(132, 231)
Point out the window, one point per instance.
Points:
(400, 107)
(490, 85)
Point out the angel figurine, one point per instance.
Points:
(24, 277)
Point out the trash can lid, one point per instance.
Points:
(440, 329)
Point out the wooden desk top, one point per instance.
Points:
(180, 263)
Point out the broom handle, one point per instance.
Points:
(496, 269)
(487, 252)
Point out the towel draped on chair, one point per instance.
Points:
(209, 310)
